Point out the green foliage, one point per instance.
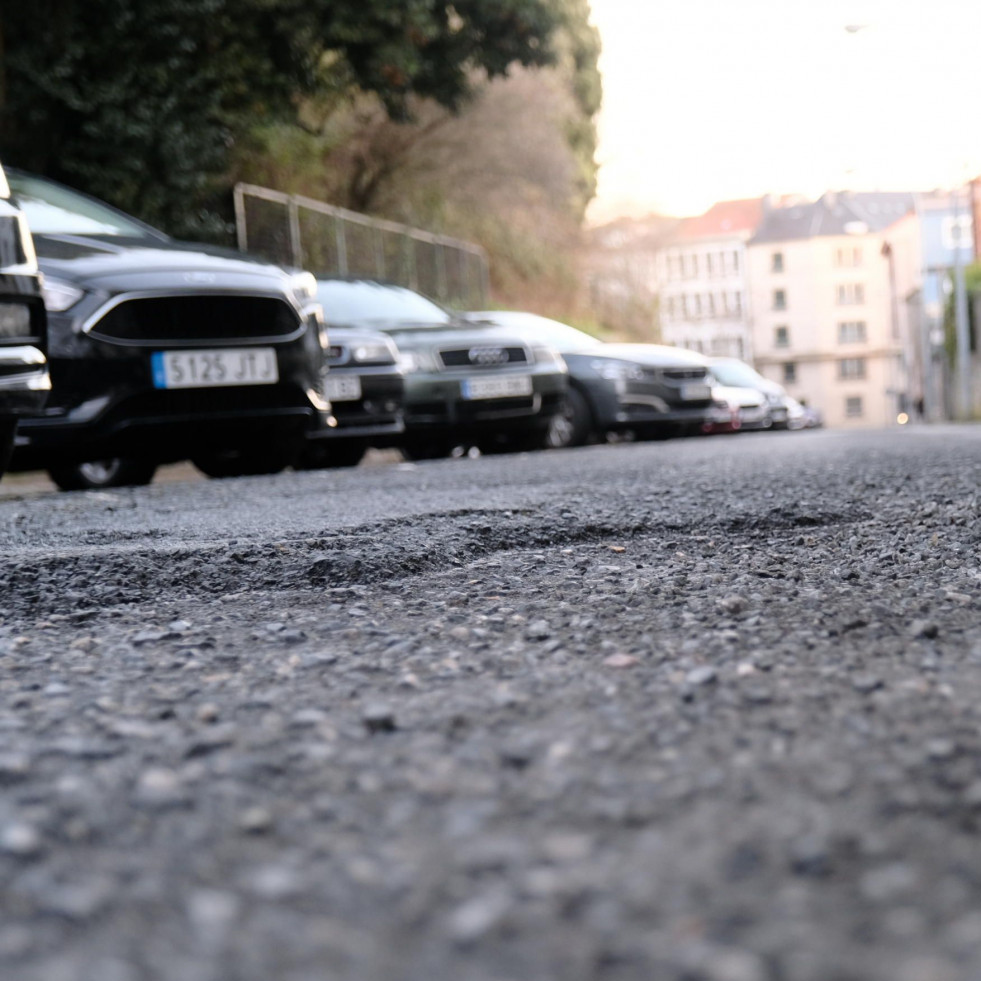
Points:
(142, 102)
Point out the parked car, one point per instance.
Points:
(162, 350)
(366, 388)
(733, 373)
(748, 409)
(647, 390)
(24, 378)
(465, 384)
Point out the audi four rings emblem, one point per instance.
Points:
(488, 355)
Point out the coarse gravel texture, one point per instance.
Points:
(704, 710)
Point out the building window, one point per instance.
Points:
(779, 299)
(734, 304)
(789, 373)
(781, 337)
(735, 262)
(955, 232)
(851, 368)
(851, 332)
(694, 266)
(709, 268)
(848, 258)
(776, 264)
(850, 294)
(853, 406)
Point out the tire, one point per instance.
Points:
(326, 454)
(97, 474)
(7, 429)
(426, 449)
(219, 464)
(573, 424)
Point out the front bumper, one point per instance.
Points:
(378, 414)
(435, 401)
(104, 403)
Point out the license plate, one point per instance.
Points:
(212, 369)
(692, 393)
(513, 386)
(342, 388)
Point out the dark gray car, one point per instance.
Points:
(465, 384)
(24, 380)
(648, 390)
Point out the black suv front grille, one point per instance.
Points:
(483, 356)
(684, 374)
(197, 321)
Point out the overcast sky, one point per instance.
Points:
(706, 100)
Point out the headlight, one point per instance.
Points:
(377, 352)
(59, 296)
(543, 354)
(410, 361)
(15, 320)
(304, 286)
(617, 370)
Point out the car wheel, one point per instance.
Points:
(244, 463)
(572, 425)
(426, 449)
(324, 454)
(96, 474)
(7, 429)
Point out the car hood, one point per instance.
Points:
(408, 336)
(655, 355)
(115, 264)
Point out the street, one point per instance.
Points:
(696, 710)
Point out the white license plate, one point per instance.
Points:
(691, 393)
(512, 386)
(213, 369)
(342, 388)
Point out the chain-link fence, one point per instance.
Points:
(296, 231)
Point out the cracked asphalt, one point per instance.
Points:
(702, 710)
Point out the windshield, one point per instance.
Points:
(56, 210)
(735, 373)
(372, 304)
(562, 337)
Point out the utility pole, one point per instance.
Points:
(963, 357)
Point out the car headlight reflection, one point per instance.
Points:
(545, 355)
(410, 361)
(60, 296)
(617, 370)
(374, 352)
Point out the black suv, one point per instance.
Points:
(24, 381)
(162, 350)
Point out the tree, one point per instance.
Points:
(143, 102)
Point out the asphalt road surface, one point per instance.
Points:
(703, 710)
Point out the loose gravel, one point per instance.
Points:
(706, 710)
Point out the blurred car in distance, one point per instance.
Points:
(366, 388)
(733, 373)
(466, 385)
(24, 378)
(161, 350)
(647, 390)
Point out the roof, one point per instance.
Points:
(834, 213)
(724, 219)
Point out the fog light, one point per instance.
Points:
(15, 320)
(902, 418)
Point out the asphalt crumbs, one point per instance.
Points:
(701, 710)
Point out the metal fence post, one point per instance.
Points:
(296, 248)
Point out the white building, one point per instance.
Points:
(827, 318)
(702, 281)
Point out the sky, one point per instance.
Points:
(708, 100)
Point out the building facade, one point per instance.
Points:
(826, 317)
(702, 281)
